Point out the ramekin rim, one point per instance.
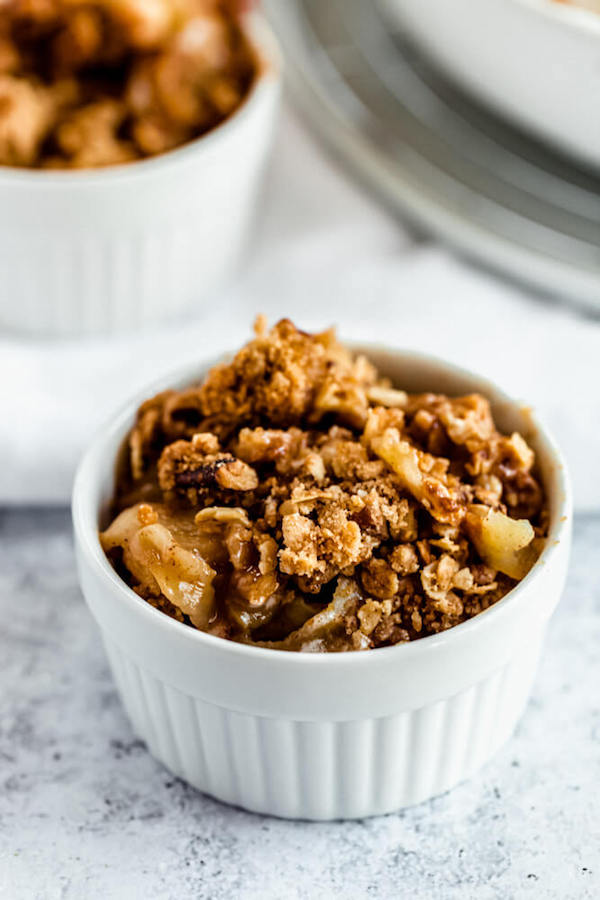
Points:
(267, 77)
(86, 532)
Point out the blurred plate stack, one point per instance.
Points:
(440, 159)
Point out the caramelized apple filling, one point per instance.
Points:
(296, 500)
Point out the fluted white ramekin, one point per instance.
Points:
(332, 735)
(124, 247)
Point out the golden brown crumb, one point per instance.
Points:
(309, 505)
(282, 377)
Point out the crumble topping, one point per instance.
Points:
(89, 83)
(297, 500)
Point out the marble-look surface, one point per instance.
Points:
(86, 813)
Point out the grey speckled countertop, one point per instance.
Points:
(85, 812)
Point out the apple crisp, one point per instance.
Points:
(296, 500)
(90, 83)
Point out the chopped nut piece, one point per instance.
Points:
(463, 580)
(237, 476)
(404, 560)
(369, 615)
(466, 419)
(379, 579)
(437, 577)
(186, 468)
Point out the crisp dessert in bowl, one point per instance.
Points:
(296, 500)
(303, 496)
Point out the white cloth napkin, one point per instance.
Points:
(325, 253)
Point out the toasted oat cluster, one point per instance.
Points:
(89, 83)
(296, 500)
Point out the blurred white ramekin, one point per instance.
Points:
(100, 251)
(333, 735)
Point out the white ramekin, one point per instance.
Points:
(333, 735)
(116, 249)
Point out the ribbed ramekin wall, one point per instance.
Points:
(66, 285)
(324, 770)
(112, 250)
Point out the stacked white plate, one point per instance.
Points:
(448, 164)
